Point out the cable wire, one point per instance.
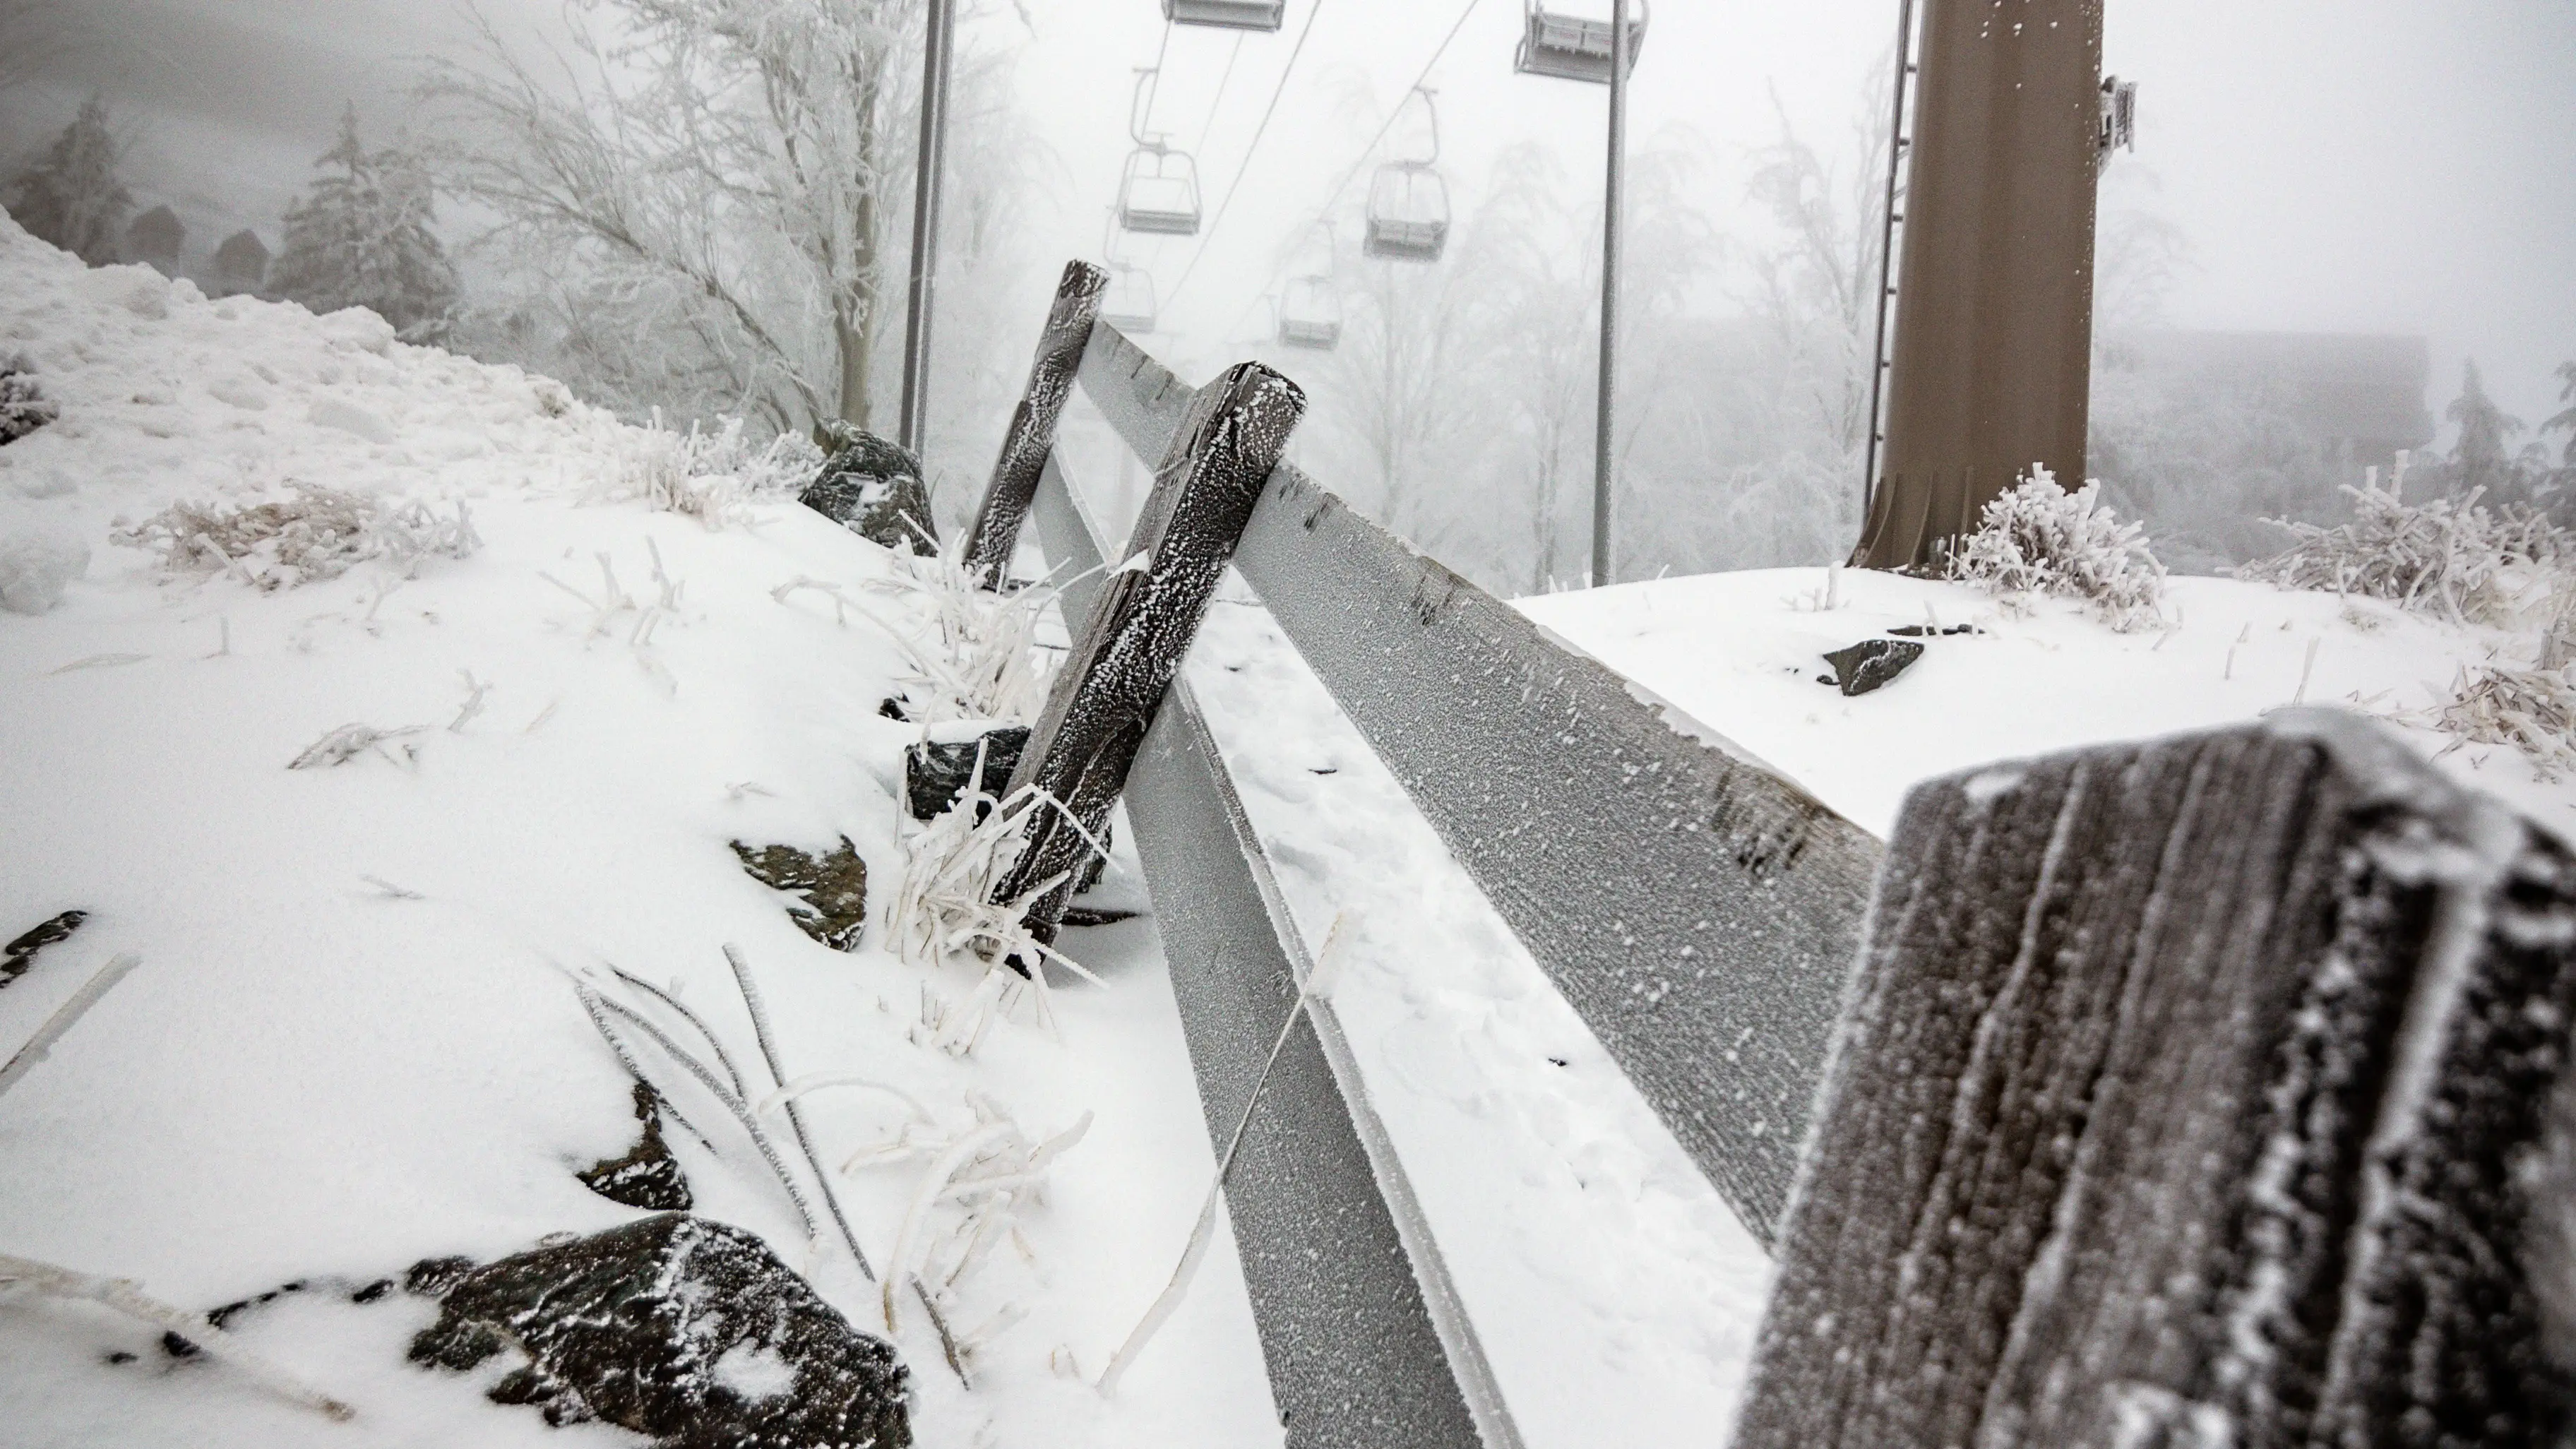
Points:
(1208, 126)
(1248, 152)
(1370, 149)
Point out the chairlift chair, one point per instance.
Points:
(1310, 314)
(1129, 304)
(1158, 191)
(1408, 205)
(1227, 14)
(1574, 47)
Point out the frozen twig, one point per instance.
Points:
(795, 1119)
(41, 1045)
(1318, 987)
(475, 691)
(126, 1296)
(346, 743)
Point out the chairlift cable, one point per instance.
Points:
(1248, 152)
(1370, 149)
(1208, 126)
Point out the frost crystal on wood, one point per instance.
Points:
(2186, 1095)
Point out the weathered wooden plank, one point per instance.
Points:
(2189, 1094)
(1031, 438)
(1361, 1331)
(1142, 620)
(1698, 910)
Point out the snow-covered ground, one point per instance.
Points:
(351, 1043)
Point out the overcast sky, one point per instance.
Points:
(2367, 165)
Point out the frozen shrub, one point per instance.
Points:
(2040, 539)
(2533, 710)
(313, 533)
(35, 566)
(23, 408)
(2447, 555)
(706, 476)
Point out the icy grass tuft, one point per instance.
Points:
(2449, 556)
(986, 664)
(711, 477)
(2040, 539)
(311, 534)
(2533, 710)
(35, 566)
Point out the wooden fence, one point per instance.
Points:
(2207, 1091)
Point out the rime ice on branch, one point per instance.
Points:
(2185, 1095)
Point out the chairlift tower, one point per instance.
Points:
(939, 38)
(1601, 52)
(1989, 370)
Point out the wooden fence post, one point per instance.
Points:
(2193, 1092)
(1032, 434)
(1143, 619)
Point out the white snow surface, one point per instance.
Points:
(350, 1044)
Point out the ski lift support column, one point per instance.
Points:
(1605, 440)
(1897, 142)
(938, 39)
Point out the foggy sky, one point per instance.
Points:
(2368, 165)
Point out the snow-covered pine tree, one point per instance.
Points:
(71, 197)
(2483, 458)
(361, 238)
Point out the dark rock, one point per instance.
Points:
(20, 954)
(23, 408)
(834, 888)
(872, 488)
(648, 1176)
(892, 708)
(432, 1277)
(646, 1326)
(1872, 663)
(1926, 631)
(936, 772)
(373, 1291)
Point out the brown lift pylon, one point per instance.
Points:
(1991, 369)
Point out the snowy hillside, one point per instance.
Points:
(352, 1042)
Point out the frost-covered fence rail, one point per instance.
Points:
(1699, 911)
(2211, 1090)
(1362, 1334)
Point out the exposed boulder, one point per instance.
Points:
(872, 488)
(20, 954)
(1871, 663)
(685, 1329)
(834, 888)
(23, 406)
(648, 1176)
(936, 772)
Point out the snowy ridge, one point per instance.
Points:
(350, 1043)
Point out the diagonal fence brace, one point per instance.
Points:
(1140, 623)
(1031, 438)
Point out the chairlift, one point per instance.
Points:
(1158, 191)
(1129, 303)
(1574, 47)
(1227, 14)
(1408, 203)
(1310, 314)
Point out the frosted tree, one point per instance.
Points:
(361, 238)
(702, 209)
(71, 196)
(2483, 456)
(2565, 420)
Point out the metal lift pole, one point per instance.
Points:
(1896, 144)
(942, 28)
(1604, 437)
